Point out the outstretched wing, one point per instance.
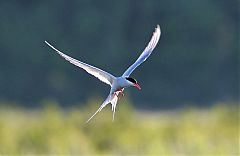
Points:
(146, 53)
(100, 74)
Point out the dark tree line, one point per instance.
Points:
(195, 61)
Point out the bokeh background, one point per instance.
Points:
(189, 102)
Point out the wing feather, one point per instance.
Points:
(100, 74)
(146, 53)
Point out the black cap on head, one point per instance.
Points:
(131, 80)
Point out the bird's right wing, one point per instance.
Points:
(100, 74)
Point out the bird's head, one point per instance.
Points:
(133, 82)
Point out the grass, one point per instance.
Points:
(52, 130)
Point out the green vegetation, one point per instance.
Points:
(52, 130)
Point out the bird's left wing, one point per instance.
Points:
(146, 53)
(100, 74)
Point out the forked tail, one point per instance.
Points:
(112, 98)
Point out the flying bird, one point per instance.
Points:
(118, 84)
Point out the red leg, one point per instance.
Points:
(119, 92)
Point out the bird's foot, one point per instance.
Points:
(122, 94)
(119, 92)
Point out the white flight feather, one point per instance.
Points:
(100, 74)
(146, 53)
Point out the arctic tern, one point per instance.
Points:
(117, 83)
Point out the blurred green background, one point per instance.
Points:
(191, 80)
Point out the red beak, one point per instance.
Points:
(138, 87)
